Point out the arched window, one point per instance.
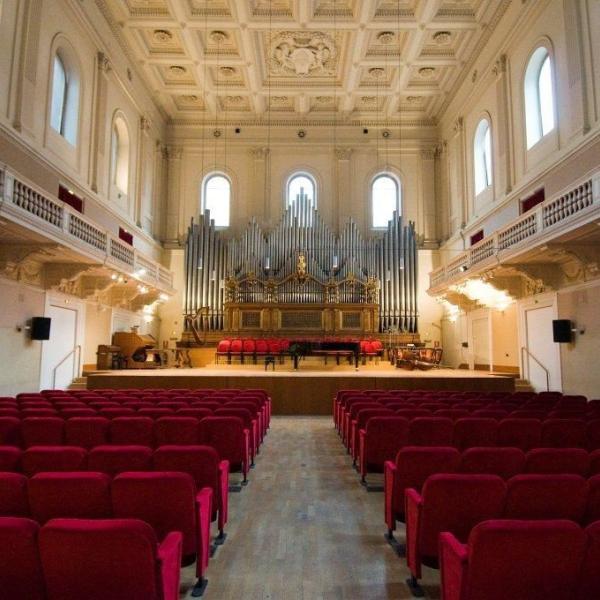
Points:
(539, 96)
(64, 107)
(216, 197)
(301, 182)
(482, 153)
(119, 157)
(385, 199)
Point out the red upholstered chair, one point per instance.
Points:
(120, 559)
(592, 511)
(10, 458)
(564, 433)
(178, 430)
(520, 433)
(73, 495)
(380, 441)
(20, 568)
(9, 412)
(430, 431)
(594, 462)
(349, 414)
(592, 434)
(155, 412)
(532, 560)
(42, 431)
(360, 421)
(39, 459)
(116, 411)
(504, 462)
(452, 413)
(546, 497)
(261, 347)
(69, 413)
(203, 464)
(230, 439)
(452, 503)
(250, 423)
(168, 501)
(13, 496)
(10, 431)
(86, 432)
(235, 350)
(557, 460)
(174, 405)
(589, 583)
(410, 469)
(223, 348)
(491, 413)
(113, 460)
(126, 431)
(195, 411)
(473, 432)
(540, 415)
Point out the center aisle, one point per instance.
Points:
(304, 528)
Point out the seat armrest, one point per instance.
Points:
(362, 457)
(389, 476)
(413, 511)
(223, 492)
(204, 499)
(246, 461)
(169, 555)
(454, 559)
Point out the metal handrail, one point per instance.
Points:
(75, 350)
(523, 348)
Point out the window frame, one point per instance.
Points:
(483, 164)
(120, 152)
(398, 183)
(203, 195)
(295, 175)
(68, 122)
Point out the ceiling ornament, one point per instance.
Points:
(386, 37)
(414, 99)
(218, 37)
(426, 72)
(442, 38)
(177, 71)
(376, 73)
(302, 53)
(162, 36)
(227, 71)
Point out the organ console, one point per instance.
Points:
(138, 351)
(300, 276)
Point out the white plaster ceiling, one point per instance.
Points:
(365, 59)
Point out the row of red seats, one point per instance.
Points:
(122, 558)
(227, 435)
(380, 437)
(414, 464)
(456, 503)
(167, 501)
(536, 560)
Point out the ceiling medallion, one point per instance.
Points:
(369, 100)
(279, 100)
(426, 72)
(227, 71)
(324, 99)
(162, 36)
(177, 71)
(234, 99)
(302, 53)
(386, 37)
(376, 73)
(189, 98)
(442, 38)
(414, 99)
(218, 37)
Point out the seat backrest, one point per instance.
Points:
(10, 458)
(502, 461)
(155, 412)
(116, 411)
(546, 497)
(248, 346)
(118, 459)
(236, 346)
(39, 459)
(176, 430)
(226, 436)
(132, 431)
(491, 413)
(537, 560)
(430, 431)
(592, 511)
(74, 495)
(119, 554)
(451, 413)
(13, 496)
(592, 435)
(42, 431)
(589, 581)
(20, 568)
(473, 432)
(564, 433)
(243, 413)
(86, 432)
(10, 431)
(557, 460)
(223, 346)
(164, 499)
(366, 414)
(196, 412)
(456, 503)
(261, 346)
(524, 433)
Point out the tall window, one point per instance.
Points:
(64, 107)
(301, 182)
(482, 152)
(539, 96)
(385, 199)
(216, 197)
(120, 155)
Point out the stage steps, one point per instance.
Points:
(79, 383)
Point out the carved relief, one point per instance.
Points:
(302, 53)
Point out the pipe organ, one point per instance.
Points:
(304, 266)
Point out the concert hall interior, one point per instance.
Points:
(324, 265)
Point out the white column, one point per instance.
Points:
(98, 120)
(342, 185)
(503, 127)
(174, 201)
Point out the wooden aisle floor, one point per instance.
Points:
(305, 529)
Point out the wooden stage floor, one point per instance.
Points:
(308, 391)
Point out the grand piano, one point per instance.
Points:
(338, 349)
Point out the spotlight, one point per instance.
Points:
(365, 131)
(238, 130)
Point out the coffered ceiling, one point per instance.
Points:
(378, 60)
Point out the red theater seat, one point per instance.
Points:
(120, 559)
(504, 462)
(10, 431)
(21, 574)
(86, 432)
(42, 431)
(589, 584)
(564, 433)
(223, 348)
(473, 432)
(430, 431)
(592, 511)
(557, 460)
(10, 458)
(513, 559)
(39, 459)
(113, 460)
(13, 497)
(176, 430)
(523, 433)
(137, 431)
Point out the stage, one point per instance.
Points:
(308, 391)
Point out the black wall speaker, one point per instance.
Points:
(561, 331)
(40, 328)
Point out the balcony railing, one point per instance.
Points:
(559, 211)
(44, 212)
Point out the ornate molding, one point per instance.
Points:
(104, 63)
(501, 65)
(343, 152)
(260, 153)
